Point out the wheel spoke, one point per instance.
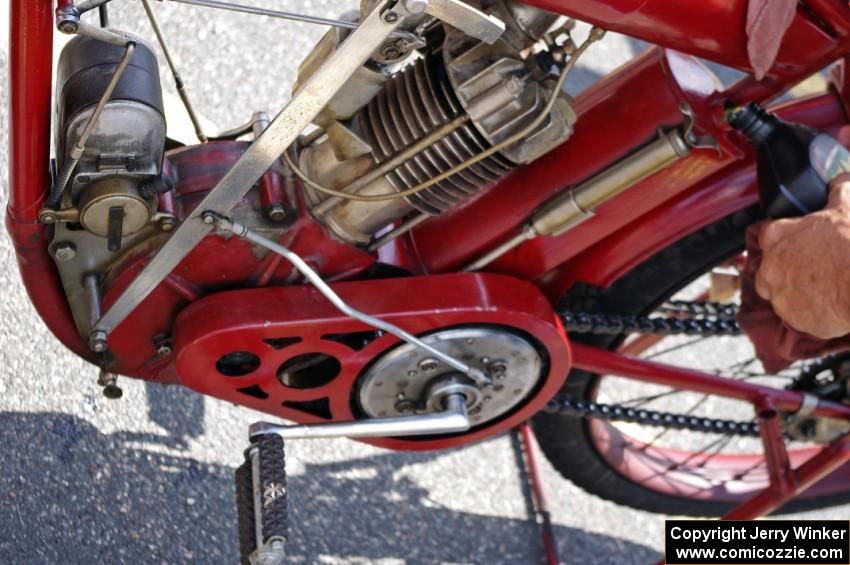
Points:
(677, 347)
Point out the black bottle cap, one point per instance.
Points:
(753, 121)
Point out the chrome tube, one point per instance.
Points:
(454, 419)
(401, 229)
(571, 208)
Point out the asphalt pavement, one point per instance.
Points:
(148, 478)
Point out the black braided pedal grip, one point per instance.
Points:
(272, 486)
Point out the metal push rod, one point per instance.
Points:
(313, 277)
(178, 80)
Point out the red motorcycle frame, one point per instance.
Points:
(616, 115)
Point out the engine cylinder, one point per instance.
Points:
(412, 105)
(487, 95)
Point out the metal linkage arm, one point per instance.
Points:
(313, 277)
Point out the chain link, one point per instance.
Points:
(693, 321)
(565, 406)
(684, 318)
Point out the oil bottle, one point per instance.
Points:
(795, 163)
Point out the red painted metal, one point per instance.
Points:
(779, 470)
(617, 115)
(30, 56)
(271, 190)
(604, 362)
(198, 168)
(712, 30)
(806, 476)
(242, 321)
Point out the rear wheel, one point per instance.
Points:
(656, 469)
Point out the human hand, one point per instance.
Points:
(805, 268)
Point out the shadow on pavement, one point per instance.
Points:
(176, 409)
(70, 494)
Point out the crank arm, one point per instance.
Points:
(262, 154)
(261, 489)
(453, 419)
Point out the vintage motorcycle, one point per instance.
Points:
(432, 243)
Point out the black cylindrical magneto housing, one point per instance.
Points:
(84, 70)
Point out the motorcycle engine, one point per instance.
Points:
(428, 101)
(409, 92)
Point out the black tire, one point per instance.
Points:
(566, 441)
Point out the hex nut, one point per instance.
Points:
(64, 251)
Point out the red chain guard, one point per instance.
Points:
(299, 316)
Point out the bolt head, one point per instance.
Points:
(416, 6)
(429, 364)
(97, 341)
(68, 27)
(168, 223)
(391, 17)
(163, 350)
(208, 217)
(391, 53)
(64, 251)
(405, 406)
(276, 213)
(47, 217)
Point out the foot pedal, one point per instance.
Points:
(261, 480)
(261, 502)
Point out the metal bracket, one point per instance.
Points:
(262, 154)
(462, 16)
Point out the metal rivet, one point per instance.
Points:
(391, 17)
